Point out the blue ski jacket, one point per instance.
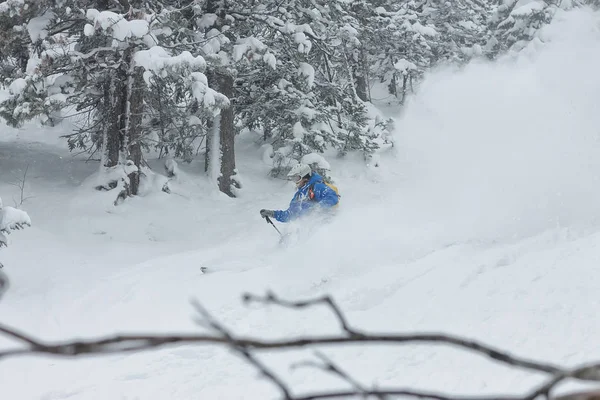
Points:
(315, 193)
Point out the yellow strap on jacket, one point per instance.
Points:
(311, 194)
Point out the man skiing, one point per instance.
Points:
(312, 194)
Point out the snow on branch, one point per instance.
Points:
(528, 9)
(11, 6)
(308, 71)
(252, 49)
(157, 58)
(245, 347)
(157, 61)
(12, 219)
(115, 24)
(404, 66)
(424, 30)
(316, 160)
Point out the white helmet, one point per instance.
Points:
(299, 171)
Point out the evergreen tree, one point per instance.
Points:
(514, 23)
(401, 42)
(306, 100)
(462, 28)
(178, 77)
(95, 65)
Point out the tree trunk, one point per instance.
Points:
(404, 87)
(392, 86)
(209, 142)
(129, 102)
(227, 138)
(111, 110)
(134, 131)
(361, 87)
(361, 77)
(211, 8)
(223, 82)
(113, 136)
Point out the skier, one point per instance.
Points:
(312, 194)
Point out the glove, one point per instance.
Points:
(267, 213)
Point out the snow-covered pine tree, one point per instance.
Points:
(263, 98)
(223, 38)
(401, 42)
(15, 41)
(337, 57)
(94, 64)
(515, 23)
(223, 35)
(462, 28)
(176, 118)
(307, 101)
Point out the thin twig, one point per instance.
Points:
(19, 336)
(243, 350)
(271, 298)
(329, 366)
(21, 186)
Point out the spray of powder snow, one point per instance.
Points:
(497, 151)
(512, 148)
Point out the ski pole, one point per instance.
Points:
(271, 222)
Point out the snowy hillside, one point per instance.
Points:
(483, 221)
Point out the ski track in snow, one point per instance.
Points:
(446, 235)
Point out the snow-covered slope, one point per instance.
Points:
(482, 221)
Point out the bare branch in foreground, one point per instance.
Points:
(245, 346)
(585, 373)
(581, 395)
(355, 336)
(127, 343)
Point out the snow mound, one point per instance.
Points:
(12, 218)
